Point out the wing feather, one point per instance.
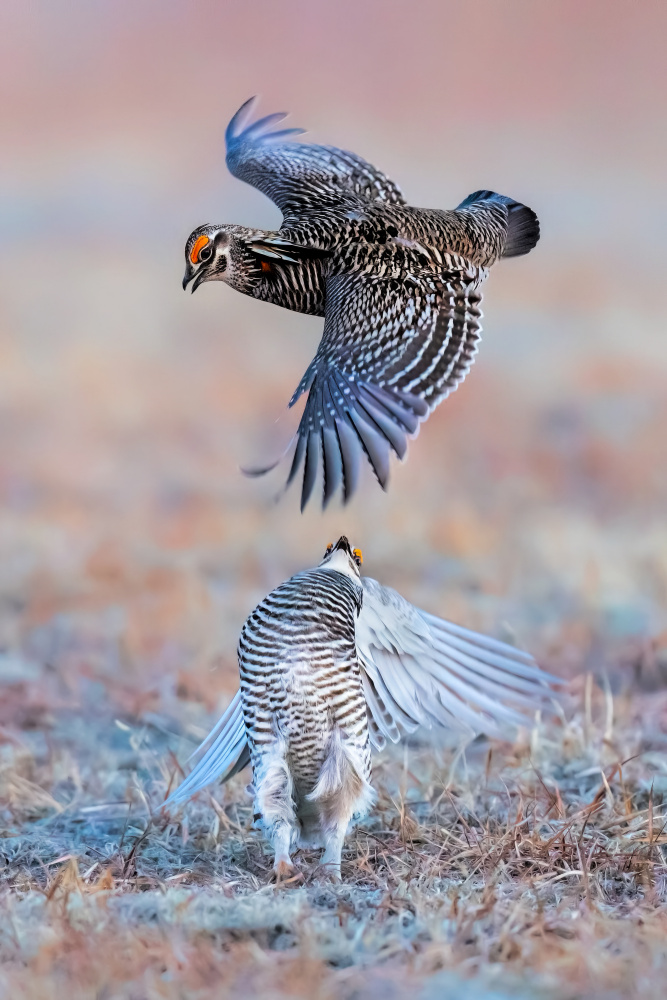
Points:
(390, 352)
(333, 463)
(431, 671)
(349, 454)
(468, 638)
(294, 174)
(224, 753)
(401, 686)
(398, 716)
(496, 669)
(310, 467)
(382, 723)
(417, 670)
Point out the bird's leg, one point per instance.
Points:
(281, 841)
(334, 839)
(274, 804)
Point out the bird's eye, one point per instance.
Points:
(205, 253)
(358, 558)
(329, 548)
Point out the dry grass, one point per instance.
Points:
(533, 866)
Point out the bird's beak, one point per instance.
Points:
(343, 544)
(199, 277)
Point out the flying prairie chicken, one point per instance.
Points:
(398, 288)
(332, 664)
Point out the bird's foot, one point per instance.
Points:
(284, 874)
(328, 873)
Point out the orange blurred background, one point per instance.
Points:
(533, 503)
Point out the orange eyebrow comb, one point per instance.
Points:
(200, 242)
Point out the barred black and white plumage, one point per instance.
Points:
(398, 288)
(331, 664)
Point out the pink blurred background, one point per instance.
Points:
(533, 502)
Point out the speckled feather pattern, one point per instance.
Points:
(398, 287)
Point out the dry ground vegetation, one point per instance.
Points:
(131, 550)
(525, 868)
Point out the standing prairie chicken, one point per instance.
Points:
(332, 664)
(398, 288)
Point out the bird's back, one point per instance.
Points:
(300, 677)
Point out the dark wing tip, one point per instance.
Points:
(239, 118)
(310, 467)
(333, 464)
(349, 452)
(241, 129)
(343, 420)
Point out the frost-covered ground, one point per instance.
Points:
(527, 869)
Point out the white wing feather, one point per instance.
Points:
(420, 670)
(417, 670)
(224, 749)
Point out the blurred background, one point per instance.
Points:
(533, 502)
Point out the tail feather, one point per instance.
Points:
(342, 787)
(523, 227)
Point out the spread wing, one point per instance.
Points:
(297, 175)
(390, 352)
(417, 670)
(420, 670)
(223, 753)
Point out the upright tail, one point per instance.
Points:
(523, 227)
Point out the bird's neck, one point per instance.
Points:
(245, 271)
(293, 284)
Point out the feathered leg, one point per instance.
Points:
(342, 790)
(274, 803)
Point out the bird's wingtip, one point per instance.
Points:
(239, 118)
(242, 129)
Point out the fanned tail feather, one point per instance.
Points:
(523, 227)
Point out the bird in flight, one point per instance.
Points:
(332, 664)
(398, 287)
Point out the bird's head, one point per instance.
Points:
(220, 253)
(341, 557)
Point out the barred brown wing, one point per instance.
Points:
(298, 176)
(390, 352)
